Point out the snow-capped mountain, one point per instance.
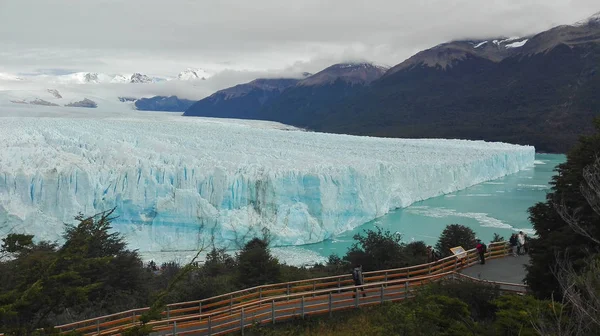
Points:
(120, 79)
(140, 78)
(96, 78)
(594, 19)
(193, 74)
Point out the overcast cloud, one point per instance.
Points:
(164, 37)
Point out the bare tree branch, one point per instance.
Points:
(590, 190)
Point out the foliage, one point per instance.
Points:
(498, 238)
(438, 310)
(554, 236)
(455, 235)
(377, 250)
(256, 265)
(477, 296)
(15, 243)
(47, 280)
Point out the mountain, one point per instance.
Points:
(241, 101)
(162, 103)
(265, 98)
(542, 92)
(312, 97)
(193, 74)
(539, 90)
(140, 78)
(446, 55)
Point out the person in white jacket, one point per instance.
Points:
(520, 243)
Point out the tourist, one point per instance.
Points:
(520, 243)
(513, 241)
(358, 278)
(429, 254)
(481, 249)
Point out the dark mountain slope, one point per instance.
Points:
(162, 103)
(241, 101)
(544, 99)
(311, 98)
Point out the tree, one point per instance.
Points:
(256, 265)
(108, 262)
(498, 238)
(377, 250)
(218, 262)
(416, 252)
(91, 271)
(566, 224)
(455, 235)
(15, 243)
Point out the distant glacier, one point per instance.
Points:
(178, 183)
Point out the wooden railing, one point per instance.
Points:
(270, 303)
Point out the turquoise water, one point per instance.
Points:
(498, 206)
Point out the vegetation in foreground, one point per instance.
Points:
(93, 273)
(450, 308)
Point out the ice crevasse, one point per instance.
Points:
(179, 182)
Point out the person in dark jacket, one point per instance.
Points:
(513, 244)
(481, 249)
(358, 278)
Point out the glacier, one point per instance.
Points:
(178, 183)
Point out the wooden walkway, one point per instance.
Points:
(272, 303)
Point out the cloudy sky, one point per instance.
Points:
(164, 37)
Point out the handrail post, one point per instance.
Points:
(200, 310)
(406, 290)
(98, 326)
(242, 321)
(314, 287)
(133, 318)
(385, 279)
(209, 325)
(174, 328)
(168, 312)
(302, 306)
(330, 305)
(339, 284)
(259, 296)
(381, 293)
(230, 301)
(288, 291)
(273, 311)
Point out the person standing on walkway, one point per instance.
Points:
(520, 243)
(481, 249)
(357, 276)
(429, 253)
(513, 241)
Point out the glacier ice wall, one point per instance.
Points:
(177, 182)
